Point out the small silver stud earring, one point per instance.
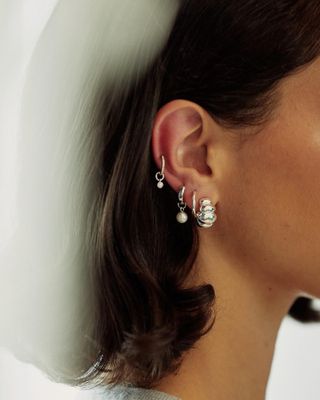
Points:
(182, 216)
(206, 216)
(161, 174)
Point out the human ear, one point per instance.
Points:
(181, 133)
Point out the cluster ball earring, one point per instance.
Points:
(206, 216)
(182, 216)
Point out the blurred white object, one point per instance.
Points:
(86, 46)
(20, 381)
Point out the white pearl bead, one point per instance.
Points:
(160, 185)
(182, 217)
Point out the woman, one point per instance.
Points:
(203, 221)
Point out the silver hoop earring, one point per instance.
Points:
(182, 216)
(206, 216)
(161, 174)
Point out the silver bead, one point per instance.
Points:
(160, 185)
(182, 217)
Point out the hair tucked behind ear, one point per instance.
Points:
(227, 57)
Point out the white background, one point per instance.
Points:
(295, 372)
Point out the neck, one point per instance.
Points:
(233, 360)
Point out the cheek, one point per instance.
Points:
(272, 209)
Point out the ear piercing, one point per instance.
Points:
(182, 216)
(160, 173)
(206, 215)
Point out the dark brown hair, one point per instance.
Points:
(228, 56)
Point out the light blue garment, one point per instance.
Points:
(125, 392)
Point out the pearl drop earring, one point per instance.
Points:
(182, 216)
(160, 183)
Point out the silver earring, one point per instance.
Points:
(182, 216)
(206, 216)
(160, 173)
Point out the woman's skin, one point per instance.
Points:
(263, 251)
